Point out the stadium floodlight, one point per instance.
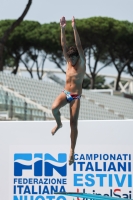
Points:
(89, 196)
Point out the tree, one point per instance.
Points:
(19, 42)
(51, 34)
(121, 48)
(46, 45)
(108, 41)
(38, 58)
(8, 31)
(130, 68)
(105, 40)
(99, 83)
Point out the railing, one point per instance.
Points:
(8, 112)
(126, 87)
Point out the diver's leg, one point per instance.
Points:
(59, 102)
(74, 113)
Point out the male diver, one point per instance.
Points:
(71, 94)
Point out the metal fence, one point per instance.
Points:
(9, 111)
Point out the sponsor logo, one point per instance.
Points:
(37, 176)
(117, 192)
(41, 164)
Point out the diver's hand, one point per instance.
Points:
(63, 22)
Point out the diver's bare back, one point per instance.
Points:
(74, 77)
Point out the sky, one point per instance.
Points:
(52, 10)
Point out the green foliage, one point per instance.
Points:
(107, 39)
(99, 83)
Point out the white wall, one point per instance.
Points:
(94, 136)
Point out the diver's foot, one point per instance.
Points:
(55, 129)
(71, 157)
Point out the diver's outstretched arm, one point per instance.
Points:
(63, 37)
(77, 40)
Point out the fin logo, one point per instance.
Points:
(40, 164)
